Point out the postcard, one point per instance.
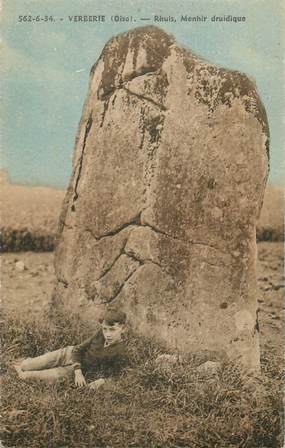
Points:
(142, 231)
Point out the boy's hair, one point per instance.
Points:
(113, 316)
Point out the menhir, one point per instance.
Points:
(169, 171)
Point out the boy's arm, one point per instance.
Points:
(77, 354)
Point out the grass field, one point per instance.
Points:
(142, 406)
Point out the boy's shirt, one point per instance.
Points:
(94, 350)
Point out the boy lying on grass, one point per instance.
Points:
(105, 345)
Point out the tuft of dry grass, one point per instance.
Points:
(144, 406)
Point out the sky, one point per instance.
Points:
(45, 69)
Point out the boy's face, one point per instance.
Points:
(112, 333)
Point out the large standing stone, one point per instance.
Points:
(170, 166)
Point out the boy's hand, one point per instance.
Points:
(79, 378)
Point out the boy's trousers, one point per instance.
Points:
(49, 367)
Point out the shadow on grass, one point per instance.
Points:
(144, 406)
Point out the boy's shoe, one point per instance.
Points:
(17, 366)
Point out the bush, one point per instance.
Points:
(145, 406)
(269, 234)
(24, 239)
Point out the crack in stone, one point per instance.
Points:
(154, 262)
(121, 252)
(143, 72)
(111, 299)
(106, 106)
(154, 126)
(87, 130)
(107, 95)
(156, 230)
(144, 262)
(133, 257)
(136, 221)
(110, 267)
(142, 97)
(132, 222)
(113, 100)
(129, 255)
(142, 114)
(130, 275)
(199, 243)
(106, 98)
(109, 92)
